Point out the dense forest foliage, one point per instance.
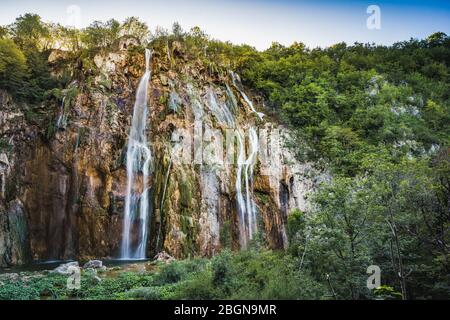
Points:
(375, 118)
(378, 119)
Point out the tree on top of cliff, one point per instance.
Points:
(135, 28)
(30, 32)
(13, 67)
(101, 34)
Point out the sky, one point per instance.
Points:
(257, 22)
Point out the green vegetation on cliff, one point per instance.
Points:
(377, 119)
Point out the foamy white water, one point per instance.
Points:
(139, 159)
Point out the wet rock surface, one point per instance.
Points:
(64, 188)
(93, 264)
(66, 268)
(164, 257)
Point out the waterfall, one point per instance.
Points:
(245, 166)
(236, 81)
(220, 111)
(61, 118)
(139, 159)
(249, 102)
(246, 206)
(243, 235)
(248, 172)
(196, 105)
(232, 99)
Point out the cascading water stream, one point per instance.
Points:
(236, 79)
(60, 121)
(248, 212)
(220, 111)
(245, 167)
(244, 171)
(243, 234)
(139, 159)
(248, 173)
(249, 102)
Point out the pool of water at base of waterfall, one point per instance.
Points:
(42, 265)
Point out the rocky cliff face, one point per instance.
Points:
(63, 180)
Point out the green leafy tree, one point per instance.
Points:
(29, 32)
(177, 31)
(65, 38)
(100, 34)
(340, 237)
(13, 67)
(135, 28)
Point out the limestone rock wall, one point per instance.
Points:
(63, 181)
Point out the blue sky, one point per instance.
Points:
(258, 22)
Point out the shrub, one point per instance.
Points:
(145, 293)
(197, 287)
(171, 273)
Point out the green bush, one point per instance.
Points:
(171, 273)
(34, 288)
(145, 293)
(250, 275)
(197, 287)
